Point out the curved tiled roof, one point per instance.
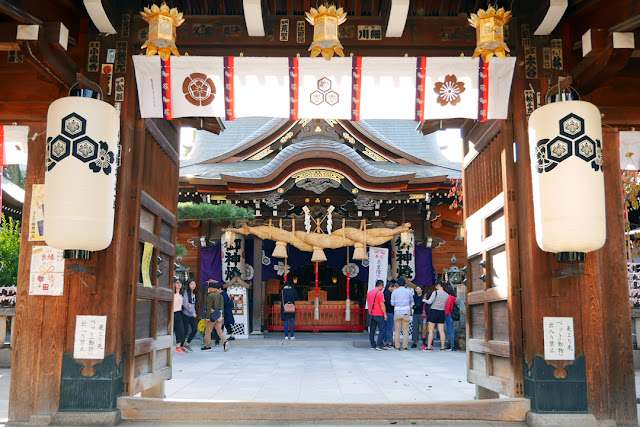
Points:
(237, 133)
(317, 147)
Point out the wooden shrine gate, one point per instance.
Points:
(494, 320)
(152, 219)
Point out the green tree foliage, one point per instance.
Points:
(15, 175)
(9, 252)
(216, 213)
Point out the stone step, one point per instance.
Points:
(150, 409)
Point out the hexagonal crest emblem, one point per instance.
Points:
(317, 98)
(74, 125)
(572, 126)
(85, 149)
(60, 148)
(559, 149)
(585, 148)
(332, 98)
(324, 84)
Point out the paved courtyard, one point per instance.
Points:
(318, 369)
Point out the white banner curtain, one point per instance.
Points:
(324, 88)
(388, 88)
(197, 86)
(356, 88)
(149, 83)
(500, 78)
(451, 88)
(261, 87)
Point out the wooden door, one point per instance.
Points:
(153, 209)
(494, 321)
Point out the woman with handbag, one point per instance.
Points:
(289, 296)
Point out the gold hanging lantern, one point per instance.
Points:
(162, 30)
(490, 32)
(325, 21)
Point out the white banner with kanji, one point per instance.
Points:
(414, 88)
(378, 266)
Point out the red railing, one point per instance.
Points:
(331, 319)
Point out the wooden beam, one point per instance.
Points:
(135, 408)
(8, 39)
(52, 63)
(17, 14)
(593, 72)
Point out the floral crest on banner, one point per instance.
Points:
(353, 269)
(281, 269)
(449, 91)
(248, 273)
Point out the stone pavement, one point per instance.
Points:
(291, 371)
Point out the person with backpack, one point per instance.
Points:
(288, 296)
(449, 307)
(214, 316)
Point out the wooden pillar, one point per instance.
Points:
(258, 299)
(601, 377)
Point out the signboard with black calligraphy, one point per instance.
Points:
(559, 338)
(90, 337)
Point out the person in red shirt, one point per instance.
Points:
(378, 312)
(448, 320)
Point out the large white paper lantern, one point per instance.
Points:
(403, 256)
(565, 141)
(233, 256)
(80, 176)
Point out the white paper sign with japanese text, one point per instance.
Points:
(378, 265)
(559, 338)
(90, 337)
(47, 271)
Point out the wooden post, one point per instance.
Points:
(602, 374)
(258, 300)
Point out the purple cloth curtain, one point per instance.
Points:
(425, 274)
(211, 262)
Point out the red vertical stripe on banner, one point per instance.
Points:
(420, 79)
(484, 92)
(293, 87)
(355, 92)
(166, 89)
(230, 113)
